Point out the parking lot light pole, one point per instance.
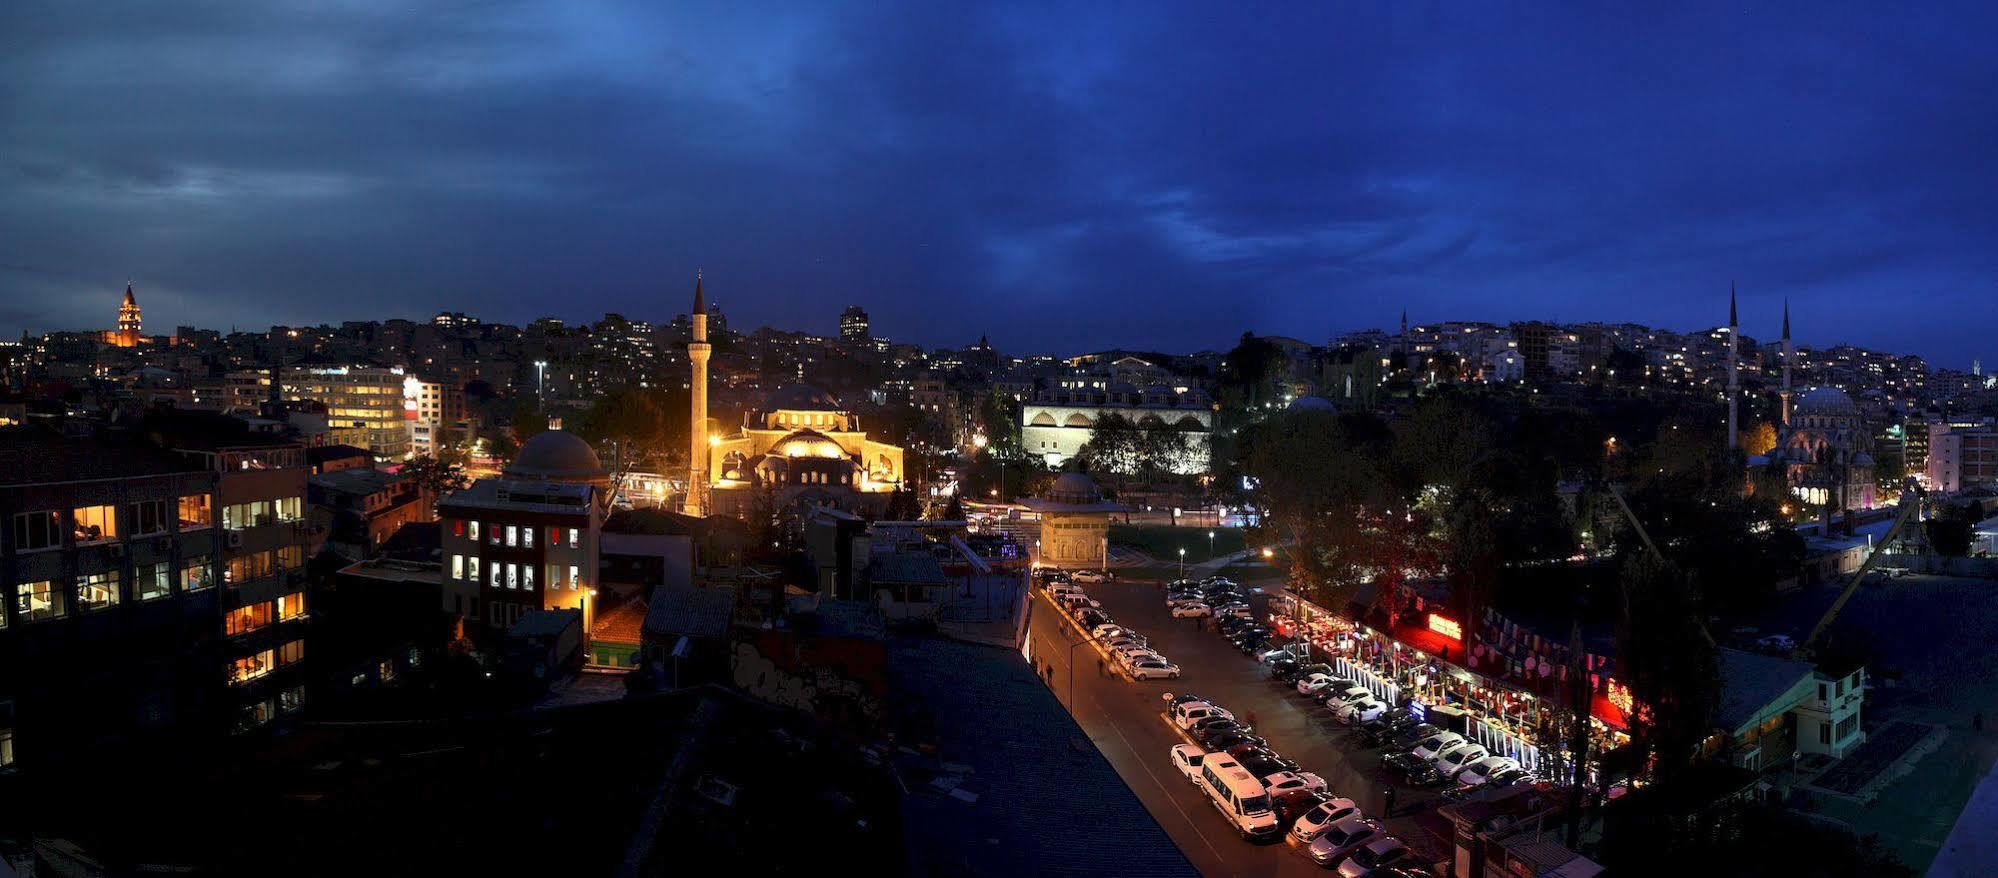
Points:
(1182, 562)
(1210, 545)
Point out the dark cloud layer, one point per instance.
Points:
(1140, 174)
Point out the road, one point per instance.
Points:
(1123, 719)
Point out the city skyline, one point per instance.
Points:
(1061, 181)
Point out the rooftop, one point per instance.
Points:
(1751, 681)
(37, 455)
(677, 611)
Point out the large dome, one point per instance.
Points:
(557, 456)
(801, 398)
(807, 443)
(1311, 404)
(1074, 488)
(1826, 401)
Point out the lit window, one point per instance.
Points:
(513, 576)
(475, 530)
(291, 606)
(527, 577)
(196, 573)
(250, 667)
(574, 539)
(195, 512)
(575, 577)
(155, 581)
(457, 567)
(96, 524)
(97, 591)
(512, 535)
(527, 536)
(35, 601)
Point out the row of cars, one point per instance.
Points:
(1266, 797)
(1421, 753)
(1131, 650)
(1216, 596)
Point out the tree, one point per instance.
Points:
(434, 476)
(1758, 439)
(1115, 446)
(1950, 533)
(1667, 659)
(954, 510)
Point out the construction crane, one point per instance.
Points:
(1644, 535)
(1911, 507)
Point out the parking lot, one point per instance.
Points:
(1124, 720)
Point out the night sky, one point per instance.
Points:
(1147, 175)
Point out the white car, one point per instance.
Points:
(1314, 822)
(1456, 758)
(1343, 838)
(1187, 758)
(1185, 715)
(1363, 710)
(1108, 630)
(1090, 576)
(1117, 643)
(1128, 655)
(1313, 684)
(1191, 611)
(1337, 699)
(1154, 669)
(1290, 781)
(1477, 773)
(1434, 745)
(1380, 855)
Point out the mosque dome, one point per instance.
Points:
(1311, 404)
(556, 456)
(1076, 488)
(1826, 401)
(807, 443)
(801, 398)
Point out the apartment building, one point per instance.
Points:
(366, 397)
(511, 546)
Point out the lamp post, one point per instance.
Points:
(1210, 545)
(1182, 562)
(540, 380)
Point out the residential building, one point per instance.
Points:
(529, 539)
(1962, 453)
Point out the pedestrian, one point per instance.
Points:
(1388, 794)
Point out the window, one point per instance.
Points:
(290, 557)
(291, 653)
(457, 567)
(254, 514)
(527, 576)
(527, 536)
(291, 606)
(1841, 687)
(244, 568)
(195, 512)
(97, 591)
(149, 517)
(250, 667)
(1824, 691)
(472, 568)
(34, 531)
(554, 536)
(196, 573)
(457, 527)
(1847, 726)
(253, 715)
(512, 535)
(475, 531)
(292, 700)
(246, 619)
(415, 657)
(387, 671)
(496, 575)
(6, 748)
(573, 542)
(290, 508)
(96, 524)
(513, 576)
(155, 581)
(575, 578)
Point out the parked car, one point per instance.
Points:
(1092, 617)
(1414, 735)
(1383, 728)
(1411, 769)
(1218, 721)
(1187, 758)
(1338, 698)
(1185, 715)
(1191, 611)
(1481, 771)
(1435, 745)
(1313, 684)
(1342, 839)
(1292, 804)
(1235, 612)
(1173, 698)
(1109, 630)
(1361, 710)
(1092, 576)
(1294, 780)
(1279, 669)
(1378, 855)
(1221, 736)
(1453, 760)
(1154, 669)
(1314, 822)
(1265, 763)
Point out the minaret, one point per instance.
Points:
(1789, 353)
(1733, 369)
(698, 351)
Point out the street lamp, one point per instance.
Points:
(1182, 562)
(1210, 545)
(540, 379)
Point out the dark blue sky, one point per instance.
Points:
(1145, 174)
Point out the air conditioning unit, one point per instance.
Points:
(234, 540)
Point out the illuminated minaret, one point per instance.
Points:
(1789, 353)
(698, 351)
(1733, 369)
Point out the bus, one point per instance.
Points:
(1238, 796)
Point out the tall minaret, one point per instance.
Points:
(1733, 369)
(698, 351)
(1789, 353)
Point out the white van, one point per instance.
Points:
(1238, 796)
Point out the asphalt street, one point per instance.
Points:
(1123, 719)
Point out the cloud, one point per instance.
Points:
(1162, 175)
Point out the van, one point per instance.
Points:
(1238, 796)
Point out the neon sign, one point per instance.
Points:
(1446, 626)
(1619, 695)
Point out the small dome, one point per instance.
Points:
(1862, 459)
(807, 443)
(1826, 401)
(556, 456)
(1311, 404)
(801, 398)
(1076, 488)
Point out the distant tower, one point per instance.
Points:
(1733, 369)
(1402, 339)
(129, 331)
(698, 351)
(1789, 353)
(853, 326)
